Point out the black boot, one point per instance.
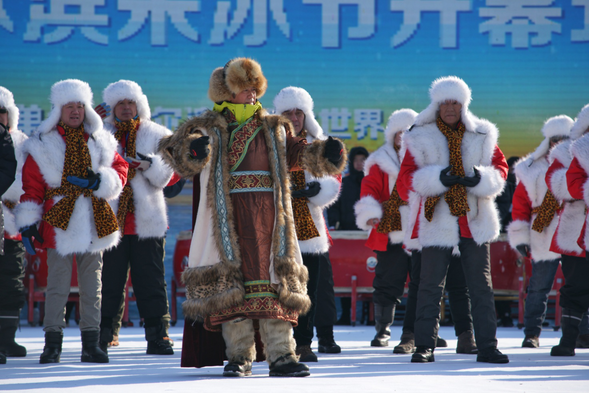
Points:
(569, 322)
(8, 327)
(287, 366)
(407, 344)
(91, 352)
(52, 349)
(106, 334)
(492, 355)
(155, 334)
(383, 319)
(239, 367)
(326, 341)
(423, 355)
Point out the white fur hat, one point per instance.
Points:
(64, 92)
(448, 88)
(292, 97)
(7, 101)
(400, 120)
(554, 126)
(129, 90)
(581, 123)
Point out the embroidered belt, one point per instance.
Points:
(250, 181)
(260, 288)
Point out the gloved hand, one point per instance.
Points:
(447, 179)
(313, 189)
(199, 148)
(92, 182)
(334, 150)
(471, 181)
(27, 234)
(142, 164)
(103, 110)
(523, 249)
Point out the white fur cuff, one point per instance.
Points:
(426, 181)
(491, 183)
(159, 173)
(365, 209)
(110, 184)
(28, 213)
(328, 194)
(558, 185)
(518, 232)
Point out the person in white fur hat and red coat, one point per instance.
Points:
(142, 216)
(534, 220)
(12, 291)
(71, 172)
(571, 216)
(245, 268)
(574, 298)
(455, 167)
(310, 196)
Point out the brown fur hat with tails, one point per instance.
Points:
(237, 75)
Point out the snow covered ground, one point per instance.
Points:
(359, 368)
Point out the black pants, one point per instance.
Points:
(476, 264)
(145, 257)
(320, 290)
(12, 273)
(390, 275)
(575, 292)
(458, 295)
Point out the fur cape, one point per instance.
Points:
(15, 191)
(47, 148)
(151, 219)
(213, 279)
(429, 148)
(572, 216)
(531, 172)
(580, 151)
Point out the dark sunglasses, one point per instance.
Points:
(3, 110)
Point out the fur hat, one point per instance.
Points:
(400, 120)
(555, 126)
(237, 75)
(448, 88)
(291, 98)
(129, 90)
(581, 123)
(64, 92)
(7, 101)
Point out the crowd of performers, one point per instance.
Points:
(89, 184)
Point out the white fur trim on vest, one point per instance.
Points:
(581, 123)
(399, 120)
(414, 204)
(7, 101)
(532, 174)
(448, 88)
(126, 90)
(15, 191)
(64, 92)
(429, 148)
(293, 97)
(151, 219)
(48, 151)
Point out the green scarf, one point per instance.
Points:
(242, 112)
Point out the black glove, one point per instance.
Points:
(199, 148)
(523, 249)
(472, 180)
(27, 234)
(92, 182)
(446, 179)
(333, 151)
(313, 189)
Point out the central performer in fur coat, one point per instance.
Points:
(534, 212)
(245, 267)
(455, 167)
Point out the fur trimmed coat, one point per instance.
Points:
(529, 194)
(380, 175)
(213, 279)
(578, 181)
(427, 154)
(572, 216)
(13, 194)
(151, 219)
(43, 169)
